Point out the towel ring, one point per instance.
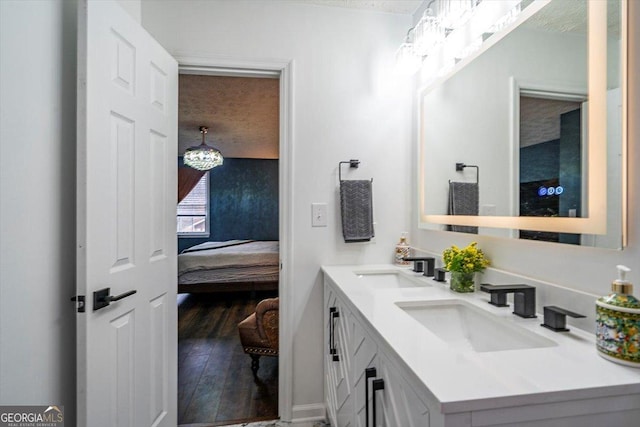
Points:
(353, 163)
(460, 167)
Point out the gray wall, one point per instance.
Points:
(37, 203)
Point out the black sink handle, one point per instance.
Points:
(555, 318)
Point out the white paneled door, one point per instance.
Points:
(127, 150)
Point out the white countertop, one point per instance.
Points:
(465, 380)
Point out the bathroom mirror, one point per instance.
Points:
(527, 137)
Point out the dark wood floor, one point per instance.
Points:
(215, 383)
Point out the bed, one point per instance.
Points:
(233, 265)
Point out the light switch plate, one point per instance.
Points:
(318, 214)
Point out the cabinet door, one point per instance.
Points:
(397, 404)
(338, 390)
(365, 352)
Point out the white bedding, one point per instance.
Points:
(210, 256)
(268, 273)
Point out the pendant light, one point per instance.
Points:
(203, 157)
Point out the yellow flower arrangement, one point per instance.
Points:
(467, 260)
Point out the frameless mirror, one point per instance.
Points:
(527, 138)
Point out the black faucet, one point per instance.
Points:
(555, 318)
(524, 298)
(419, 265)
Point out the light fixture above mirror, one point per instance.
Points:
(203, 157)
(450, 30)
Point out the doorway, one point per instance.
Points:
(551, 157)
(551, 151)
(220, 312)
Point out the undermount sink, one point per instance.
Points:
(469, 328)
(390, 279)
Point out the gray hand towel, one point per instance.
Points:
(463, 200)
(356, 203)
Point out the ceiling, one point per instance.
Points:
(406, 7)
(241, 113)
(570, 16)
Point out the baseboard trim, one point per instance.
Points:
(303, 415)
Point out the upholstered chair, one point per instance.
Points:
(259, 332)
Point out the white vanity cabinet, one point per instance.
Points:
(378, 358)
(360, 378)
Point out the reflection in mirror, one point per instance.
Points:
(519, 112)
(551, 149)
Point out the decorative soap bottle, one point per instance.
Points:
(618, 323)
(402, 250)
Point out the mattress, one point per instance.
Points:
(231, 275)
(229, 261)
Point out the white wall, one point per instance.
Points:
(346, 105)
(37, 203)
(586, 269)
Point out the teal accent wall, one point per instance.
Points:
(243, 202)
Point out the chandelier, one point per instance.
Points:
(203, 157)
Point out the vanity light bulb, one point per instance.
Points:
(470, 48)
(447, 65)
(456, 12)
(407, 62)
(428, 34)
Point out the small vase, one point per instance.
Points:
(463, 282)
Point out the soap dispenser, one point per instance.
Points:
(618, 323)
(402, 251)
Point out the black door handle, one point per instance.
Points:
(102, 299)
(334, 313)
(368, 373)
(377, 385)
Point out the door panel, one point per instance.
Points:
(158, 368)
(158, 183)
(121, 363)
(127, 146)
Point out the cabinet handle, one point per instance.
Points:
(377, 385)
(368, 373)
(333, 313)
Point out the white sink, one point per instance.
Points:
(389, 279)
(469, 328)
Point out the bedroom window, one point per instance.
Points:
(193, 211)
